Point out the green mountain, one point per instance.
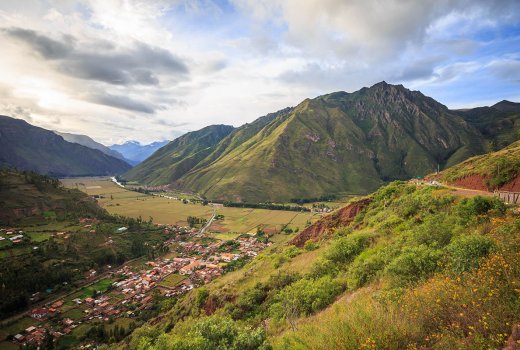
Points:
(407, 267)
(28, 147)
(498, 124)
(86, 141)
(172, 161)
(340, 142)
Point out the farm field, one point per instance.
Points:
(121, 201)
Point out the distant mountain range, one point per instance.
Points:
(90, 143)
(28, 147)
(135, 152)
(340, 142)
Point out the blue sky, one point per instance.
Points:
(150, 70)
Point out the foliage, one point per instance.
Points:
(466, 251)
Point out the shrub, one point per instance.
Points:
(466, 251)
(310, 245)
(345, 249)
(304, 297)
(366, 266)
(414, 264)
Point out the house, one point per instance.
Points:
(30, 329)
(39, 313)
(19, 337)
(227, 257)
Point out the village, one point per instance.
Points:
(194, 258)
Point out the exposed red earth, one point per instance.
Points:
(341, 217)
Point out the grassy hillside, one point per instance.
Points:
(419, 267)
(28, 147)
(172, 161)
(63, 233)
(29, 196)
(494, 170)
(341, 142)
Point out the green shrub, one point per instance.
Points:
(366, 266)
(466, 251)
(435, 231)
(345, 249)
(310, 245)
(304, 297)
(414, 264)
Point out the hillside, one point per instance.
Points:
(417, 268)
(135, 152)
(340, 142)
(86, 141)
(28, 196)
(28, 147)
(172, 161)
(497, 170)
(498, 124)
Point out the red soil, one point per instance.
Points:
(341, 217)
(474, 182)
(478, 182)
(512, 186)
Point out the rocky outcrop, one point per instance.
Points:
(341, 217)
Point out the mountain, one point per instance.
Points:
(135, 152)
(28, 195)
(28, 147)
(174, 160)
(340, 142)
(90, 143)
(498, 124)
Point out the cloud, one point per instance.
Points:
(122, 102)
(138, 64)
(506, 69)
(47, 47)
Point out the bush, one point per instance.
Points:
(366, 266)
(414, 264)
(345, 249)
(305, 297)
(310, 245)
(466, 251)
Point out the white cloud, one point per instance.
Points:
(147, 70)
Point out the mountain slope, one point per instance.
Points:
(497, 170)
(340, 142)
(28, 147)
(86, 141)
(135, 152)
(172, 161)
(27, 194)
(498, 124)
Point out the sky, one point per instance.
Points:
(146, 70)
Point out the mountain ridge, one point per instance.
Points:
(338, 142)
(28, 147)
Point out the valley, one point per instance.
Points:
(235, 221)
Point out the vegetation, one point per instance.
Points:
(340, 142)
(419, 267)
(496, 169)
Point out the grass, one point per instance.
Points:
(75, 314)
(20, 325)
(120, 201)
(7, 345)
(122, 322)
(101, 285)
(172, 280)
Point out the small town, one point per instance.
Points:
(193, 259)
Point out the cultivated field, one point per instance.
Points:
(121, 201)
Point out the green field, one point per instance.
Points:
(100, 285)
(172, 280)
(120, 201)
(19, 326)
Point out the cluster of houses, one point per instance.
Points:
(14, 235)
(199, 264)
